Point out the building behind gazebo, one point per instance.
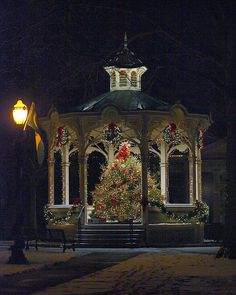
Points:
(158, 132)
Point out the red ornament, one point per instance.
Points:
(123, 152)
(172, 127)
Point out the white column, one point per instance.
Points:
(144, 159)
(86, 181)
(83, 183)
(191, 179)
(110, 153)
(65, 175)
(198, 173)
(51, 178)
(164, 171)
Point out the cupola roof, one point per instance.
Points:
(124, 58)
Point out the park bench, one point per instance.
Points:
(51, 237)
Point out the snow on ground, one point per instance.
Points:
(37, 260)
(157, 273)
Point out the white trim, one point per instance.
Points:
(60, 206)
(181, 205)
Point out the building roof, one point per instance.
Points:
(125, 100)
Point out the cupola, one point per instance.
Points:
(125, 70)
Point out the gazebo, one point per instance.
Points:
(158, 132)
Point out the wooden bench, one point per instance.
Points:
(51, 237)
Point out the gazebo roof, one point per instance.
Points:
(125, 100)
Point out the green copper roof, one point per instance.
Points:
(125, 100)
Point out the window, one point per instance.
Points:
(58, 179)
(113, 79)
(134, 79)
(179, 177)
(123, 78)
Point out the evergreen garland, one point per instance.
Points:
(51, 217)
(199, 214)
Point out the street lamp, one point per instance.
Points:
(20, 112)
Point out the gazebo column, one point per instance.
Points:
(83, 183)
(65, 175)
(86, 186)
(198, 173)
(164, 171)
(51, 177)
(110, 153)
(191, 178)
(144, 159)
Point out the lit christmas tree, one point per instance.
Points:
(118, 195)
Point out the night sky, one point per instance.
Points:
(53, 53)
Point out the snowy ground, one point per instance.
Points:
(153, 273)
(157, 271)
(37, 260)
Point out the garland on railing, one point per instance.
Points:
(51, 217)
(199, 213)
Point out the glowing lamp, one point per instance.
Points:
(20, 112)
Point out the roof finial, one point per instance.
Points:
(125, 41)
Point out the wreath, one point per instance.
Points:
(112, 133)
(172, 134)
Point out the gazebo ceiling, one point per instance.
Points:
(125, 100)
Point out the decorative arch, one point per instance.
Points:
(179, 174)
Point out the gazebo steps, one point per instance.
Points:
(110, 236)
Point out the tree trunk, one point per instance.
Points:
(230, 218)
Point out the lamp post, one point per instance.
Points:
(20, 112)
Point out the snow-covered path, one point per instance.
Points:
(151, 271)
